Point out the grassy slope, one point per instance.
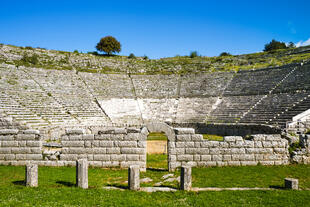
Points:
(178, 65)
(56, 187)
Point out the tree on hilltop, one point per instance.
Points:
(274, 45)
(108, 45)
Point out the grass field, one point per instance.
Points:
(56, 187)
(157, 136)
(213, 137)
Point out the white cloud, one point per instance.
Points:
(303, 43)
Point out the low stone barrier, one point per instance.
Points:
(31, 175)
(82, 173)
(191, 149)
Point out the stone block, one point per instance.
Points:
(185, 157)
(185, 144)
(82, 173)
(114, 150)
(214, 151)
(186, 178)
(183, 137)
(34, 156)
(125, 143)
(9, 144)
(72, 143)
(197, 137)
(133, 150)
(31, 131)
(141, 144)
(31, 175)
(120, 131)
(132, 157)
(234, 163)
(75, 131)
(205, 157)
(184, 131)
(26, 137)
(248, 163)
(134, 177)
(217, 157)
(8, 131)
(106, 143)
(6, 150)
(102, 157)
(34, 143)
(68, 157)
(226, 157)
(88, 137)
(291, 183)
(132, 136)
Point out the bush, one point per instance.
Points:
(76, 51)
(274, 45)
(30, 59)
(225, 54)
(193, 54)
(109, 45)
(145, 57)
(28, 48)
(131, 56)
(93, 53)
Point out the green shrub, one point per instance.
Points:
(34, 60)
(307, 131)
(93, 53)
(225, 54)
(76, 51)
(28, 48)
(145, 57)
(131, 56)
(274, 45)
(193, 54)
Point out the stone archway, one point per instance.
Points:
(169, 132)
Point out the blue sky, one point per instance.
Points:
(155, 28)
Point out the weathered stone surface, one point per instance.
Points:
(31, 175)
(186, 178)
(82, 173)
(291, 183)
(134, 177)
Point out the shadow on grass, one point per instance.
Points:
(277, 187)
(118, 186)
(157, 169)
(19, 182)
(65, 183)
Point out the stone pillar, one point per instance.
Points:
(186, 178)
(82, 173)
(134, 177)
(291, 183)
(32, 175)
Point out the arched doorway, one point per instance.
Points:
(158, 127)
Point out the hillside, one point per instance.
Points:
(60, 60)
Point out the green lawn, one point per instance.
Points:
(56, 187)
(213, 137)
(157, 136)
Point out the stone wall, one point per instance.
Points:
(230, 129)
(122, 147)
(191, 149)
(19, 146)
(118, 147)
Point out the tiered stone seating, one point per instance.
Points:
(155, 86)
(288, 113)
(231, 108)
(106, 86)
(256, 82)
(72, 94)
(204, 85)
(272, 105)
(299, 80)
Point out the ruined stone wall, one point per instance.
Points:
(191, 149)
(19, 146)
(118, 147)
